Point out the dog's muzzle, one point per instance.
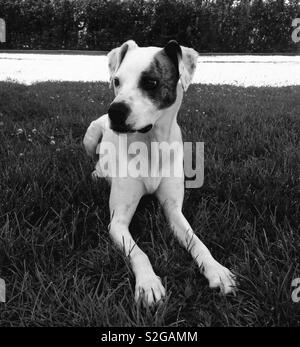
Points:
(118, 113)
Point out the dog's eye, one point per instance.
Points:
(116, 82)
(149, 83)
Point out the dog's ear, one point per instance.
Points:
(116, 56)
(185, 59)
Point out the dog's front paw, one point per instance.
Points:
(219, 276)
(149, 289)
(95, 175)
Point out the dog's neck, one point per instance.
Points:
(163, 129)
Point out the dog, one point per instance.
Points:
(148, 84)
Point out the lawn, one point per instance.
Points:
(56, 256)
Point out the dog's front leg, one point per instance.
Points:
(93, 134)
(124, 198)
(170, 195)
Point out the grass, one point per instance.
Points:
(56, 256)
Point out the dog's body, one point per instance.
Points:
(149, 84)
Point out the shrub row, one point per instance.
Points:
(207, 25)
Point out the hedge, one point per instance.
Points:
(207, 25)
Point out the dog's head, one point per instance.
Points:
(147, 81)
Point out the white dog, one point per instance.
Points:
(149, 83)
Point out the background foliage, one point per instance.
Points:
(207, 25)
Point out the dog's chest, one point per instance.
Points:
(150, 166)
(151, 184)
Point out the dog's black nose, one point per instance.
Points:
(118, 112)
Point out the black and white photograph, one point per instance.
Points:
(149, 166)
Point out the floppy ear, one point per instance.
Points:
(116, 56)
(185, 59)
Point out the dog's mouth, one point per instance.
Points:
(145, 129)
(125, 129)
(122, 129)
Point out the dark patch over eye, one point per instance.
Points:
(149, 83)
(116, 82)
(159, 81)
